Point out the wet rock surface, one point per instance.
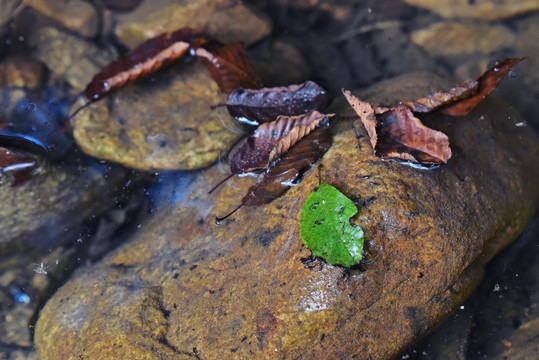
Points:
(218, 18)
(186, 286)
(163, 123)
(76, 15)
(9, 10)
(69, 58)
(20, 71)
(46, 63)
(452, 38)
(48, 209)
(166, 122)
(484, 9)
(499, 320)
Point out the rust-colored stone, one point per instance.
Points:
(186, 286)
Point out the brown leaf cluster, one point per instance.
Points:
(395, 133)
(271, 140)
(293, 134)
(289, 114)
(289, 169)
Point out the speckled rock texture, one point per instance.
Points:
(482, 9)
(48, 210)
(76, 15)
(163, 123)
(69, 57)
(223, 19)
(186, 287)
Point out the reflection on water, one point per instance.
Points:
(77, 209)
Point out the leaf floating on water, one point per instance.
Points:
(148, 57)
(397, 133)
(326, 230)
(264, 105)
(460, 100)
(270, 140)
(230, 67)
(289, 169)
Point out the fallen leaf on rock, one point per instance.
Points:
(325, 227)
(258, 106)
(148, 57)
(460, 100)
(402, 136)
(230, 67)
(396, 133)
(366, 113)
(289, 169)
(270, 140)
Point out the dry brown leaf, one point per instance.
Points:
(460, 100)
(270, 140)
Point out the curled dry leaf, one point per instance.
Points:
(270, 140)
(460, 100)
(366, 113)
(402, 136)
(230, 67)
(258, 106)
(148, 57)
(397, 133)
(289, 169)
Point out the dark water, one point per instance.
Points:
(350, 44)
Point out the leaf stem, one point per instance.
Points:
(220, 183)
(219, 219)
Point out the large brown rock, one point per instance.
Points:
(188, 287)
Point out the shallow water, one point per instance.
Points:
(336, 43)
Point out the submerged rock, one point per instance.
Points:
(162, 123)
(223, 19)
(69, 58)
(10, 9)
(76, 15)
(453, 38)
(48, 210)
(188, 287)
(20, 71)
(477, 9)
